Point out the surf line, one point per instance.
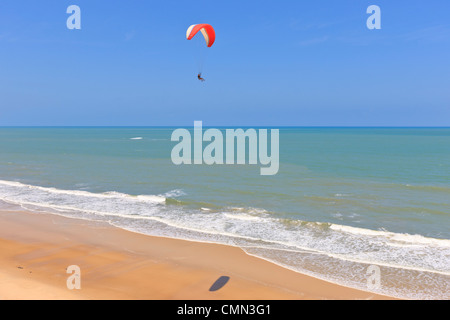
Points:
(235, 147)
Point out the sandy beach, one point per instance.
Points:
(37, 249)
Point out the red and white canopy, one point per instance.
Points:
(207, 31)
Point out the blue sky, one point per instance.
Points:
(274, 63)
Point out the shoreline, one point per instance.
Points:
(37, 248)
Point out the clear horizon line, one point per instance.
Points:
(220, 126)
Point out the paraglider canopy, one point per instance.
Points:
(207, 31)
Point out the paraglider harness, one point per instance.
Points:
(199, 76)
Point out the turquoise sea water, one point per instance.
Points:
(343, 199)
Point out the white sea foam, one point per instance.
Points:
(81, 193)
(151, 198)
(398, 237)
(174, 193)
(245, 217)
(136, 138)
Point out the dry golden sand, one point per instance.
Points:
(36, 249)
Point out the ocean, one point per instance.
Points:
(344, 199)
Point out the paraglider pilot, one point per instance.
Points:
(199, 76)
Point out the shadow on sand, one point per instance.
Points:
(219, 283)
